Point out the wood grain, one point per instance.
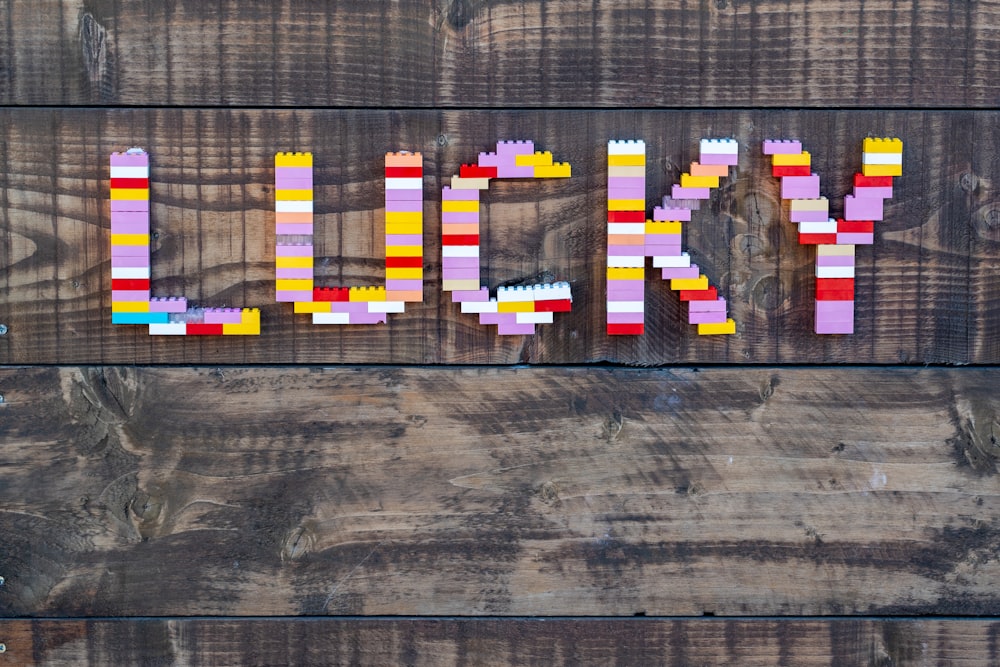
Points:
(512, 53)
(928, 290)
(522, 491)
(489, 642)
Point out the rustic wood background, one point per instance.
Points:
(427, 492)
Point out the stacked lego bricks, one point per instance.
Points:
(131, 300)
(514, 310)
(835, 240)
(632, 238)
(293, 174)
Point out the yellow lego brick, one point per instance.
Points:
(313, 306)
(516, 307)
(404, 273)
(882, 169)
(404, 251)
(293, 262)
(404, 228)
(130, 239)
(689, 181)
(626, 204)
(802, 159)
(293, 160)
(620, 273)
(708, 329)
(293, 284)
(630, 172)
(665, 227)
(880, 145)
(456, 285)
(367, 294)
(405, 217)
(557, 170)
(129, 194)
(293, 195)
(249, 324)
(626, 160)
(699, 283)
(130, 307)
(537, 159)
(835, 250)
(459, 206)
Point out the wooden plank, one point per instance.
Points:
(927, 291)
(448, 641)
(480, 491)
(657, 53)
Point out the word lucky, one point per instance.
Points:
(632, 238)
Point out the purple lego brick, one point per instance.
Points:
(677, 192)
(511, 148)
(460, 263)
(719, 158)
(510, 171)
(286, 183)
(407, 206)
(626, 293)
(627, 193)
(130, 251)
(368, 318)
(782, 147)
(223, 316)
(349, 307)
(130, 262)
(129, 205)
(625, 318)
(883, 192)
(403, 285)
(400, 194)
(626, 251)
(139, 159)
(447, 194)
(170, 304)
(130, 217)
(482, 294)
(663, 251)
(286, 296)
(293, 173)
(800, 187)
(834, 260)
(810, 216)
(671, 213)
(637, 182)
(130, 295)
(460, 217)
(706, 317)
(404, 239)
(699, 306)
(285, 273)
(823, 327)
(864, 208)
(855, 238)
(459, 274)
(118, 227)
(488, 160)
(294, 250)
(294, 228)
(515, 329)
(496, 318)
(670, 273)
(835, 311)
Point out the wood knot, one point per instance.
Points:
(98, 60)
(460, 13)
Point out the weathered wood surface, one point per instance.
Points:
(487, 642)
(928, 290)
(439, 53)
(304, 491)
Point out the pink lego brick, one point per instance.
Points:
(293, 183)
(352, 307)
(287, 296)
(718, 158)
(873, 192)
(172, 304)
(404, 239)
(670, 273)
(400, 194)
(129, 159)
(835, 311)
(706, 306)
(782, 147)
(508, 149)
(662, 250)
(626, 251)
(460, 274)
(129, 205)
(626, 293)
(403, 285)
(497, 318)
(130, 295)
(130, 217)
(459, 296)
(293, 172)
(460, 263)
(510, 171)
(223, 316)
(301, 274)
(408, 206)
(849, 238)
(706, 317)
(809, 216)
(677, 192)
(515, 329)
(130, 262)
(800, 187)
(130, 251)
(834, 260)
(488, 160)
(864, 208)
(303, 228)
(667, 213)
(620, 192)
(460, 217)
(293, 250)
(625, 318)
(447, 194)
(119, 227)
(368, 318)
(637, 182)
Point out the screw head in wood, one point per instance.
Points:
(3, 329)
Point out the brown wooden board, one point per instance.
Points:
(602, 53)
(486, 642)
(927, 290)
(479, 491)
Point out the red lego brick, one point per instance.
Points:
(195, 329)
(818, 239)
(835, 289)
(404, 262)
(800, 170)
(554, 306)
(404, 172)
(625, 329)
(137, 183)
(710, 294)
(460, 239)
(331, 294)
(129, 284)
(626, 216)
(855, 226)
(475, 171)
(862, 181)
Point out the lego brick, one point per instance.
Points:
(835, 250)
(405, 240)
(627, 172)
(614, 273)
(882, 170)
(293, 160)
(459, 183)
(671, 214)
(710, 294)
(557, 170)
(825, 227)
(386, 306)
(338, 294)
(625, 329)
(691, 181)
(698, 169)
(800, 187)
(403, 172)
(168, 329)
(865, 208)
(782, 147)
(727, 327)
(626, 147)
(306, 274)
(626, 204)
(404, 250)
(140, 318)
(626, 228)
(699, 283)
(718, 147)
(681, 273)
(404, 159)
(404, 273)
(663, 228)
(625, 318)
(856, 226)
(171, 304)
(779, 171)
(627, 216)
(404, 262)
(627, 160)
(678, 192)
(331, 318)
(815, 239)
(707, 306)
(882, 145)
(312, 307)
(458, 206)
(625, 306)
(802, 159)
(835, 271)
(635, 261)
(459, 285)
(707, 317)
(129, 272)
(477, 171)
(488, 306)
(855, 239)
(460, 251)
(672, 261)
(535, 317)
(416, 184)
(554, 306)
(293, 195)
